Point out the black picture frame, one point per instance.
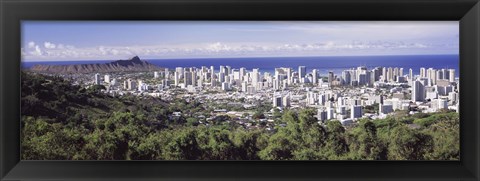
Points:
(12, 12)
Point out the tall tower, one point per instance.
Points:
(315, 76)
(97, 79)
(302, 71)
(418, 91)
(452, 75)
(255, 77)
(330, 78)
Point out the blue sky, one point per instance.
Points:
(112, 40)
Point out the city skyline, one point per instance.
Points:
(107, 40)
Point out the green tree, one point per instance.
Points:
(408, 144)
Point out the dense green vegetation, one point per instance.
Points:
(63, 121)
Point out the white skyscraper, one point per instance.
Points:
(289, 76)
(330, 78)
(330, 113)
(315, 76)
(321, 99)
(346, 76)
(167, 73)
(243, 71)
(176, 78)
(180, 71)
(187, 78)
(302, 71)
(194, 78)
(442, 104)
(410, 74)
(321, 115)
(107, 79)
(212, 74)
(225, 86)
(255, 76)
(97, 79)
(418, 91)
(452, 75)
(423, 72)
(244, 86)
(286, 101)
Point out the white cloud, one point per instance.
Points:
(37, 51)
(220, 49)
(31, 44)
(49, 45)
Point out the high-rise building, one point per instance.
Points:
(180, 72)
(113, 82)
(155, 75)
(255, 76)
(244, 86)
(315, 76)
(346, 77)
(442, 104)
(418, 91)
(221, 77)
(385, 108)
(222, 69)
(167, 73)
(176, 78)
(289, 76)
(362, 79)
(228, 70)
(97, 79)
(330, 113)
(423, 72)
(107, 78)
(384, 74)
(375, 74)
(243, 71)
(389, 74)
(277, 101)
(322, 115)
(302, 71)
(410, 74)
(330, 78)
(251, 90)
(286, 101)
(225, 86)
(321, 99)
(132, 85)
(187, 78)
(194, 77)
(355, 111)
(446, 74)
(311, 98)
(432, 76)
(439, 74)
(452, 97)
(396, 72)
(341, 110)
(451, 75)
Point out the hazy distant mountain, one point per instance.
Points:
(132, 65)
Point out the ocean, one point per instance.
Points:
(324, 64)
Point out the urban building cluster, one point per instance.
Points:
(354, 94)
